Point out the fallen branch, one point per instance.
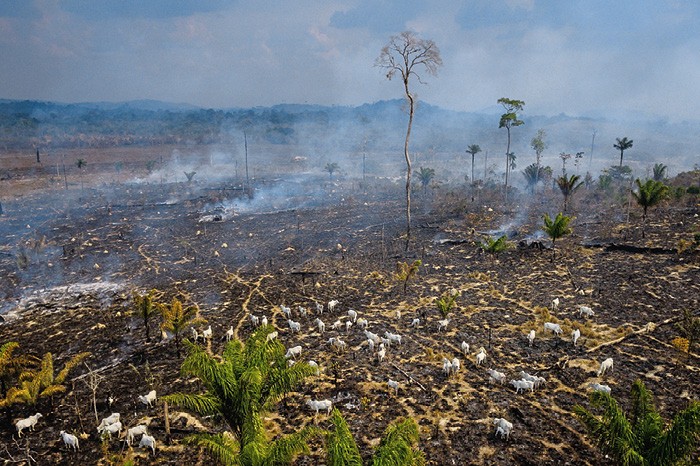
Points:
(630, 248)
(409, 377)
(650, 327)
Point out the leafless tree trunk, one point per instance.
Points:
(93, 381)
(399, 56)
(408, 164)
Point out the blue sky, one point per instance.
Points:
(587, 57)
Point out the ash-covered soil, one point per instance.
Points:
(71, 262)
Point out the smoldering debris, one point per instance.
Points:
(57, 298)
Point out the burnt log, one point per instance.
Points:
(631, 248)
(69, 250)
(532, 244)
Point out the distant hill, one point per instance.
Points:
(377, 126)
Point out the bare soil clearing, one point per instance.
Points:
(87, 249)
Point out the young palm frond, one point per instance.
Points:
(284, 449)
(679, 440)
(645, 420)
(283, 382)
(70, 365)
(12, 366)
(495, 246)
(613, 431)
(224, 448)
(240, 387)
(204, 405)
(340, 445)
(398, 447)
(255, 447)
(643, 440)
(446, 302)
(216, 376)
(42, 383)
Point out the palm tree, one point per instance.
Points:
(12, 366)
(398, 447)
(42, 383)
(145, 309)
(176, 319)
(538, 144)
(242, 386)
(659, 171)
(425, 176)
(533, 174)
(643, 438)
(622, 145)
(568, 186)
(648, 195)
(557, 228)
(473, 149)
(80, 163)
(507, 121)
(331, 168)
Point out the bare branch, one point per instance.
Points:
(405, 52)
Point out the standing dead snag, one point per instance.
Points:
(402, 55)
(93, 380)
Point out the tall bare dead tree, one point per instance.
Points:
(404, 55)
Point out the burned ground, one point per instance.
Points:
(71, 260)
